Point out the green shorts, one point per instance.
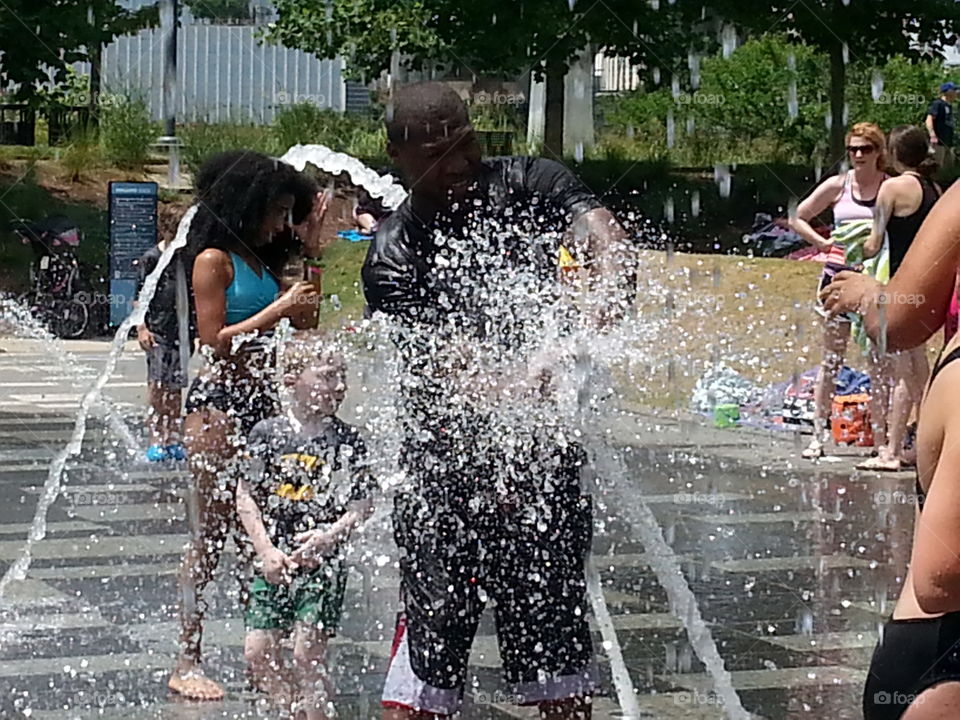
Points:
(313, 598)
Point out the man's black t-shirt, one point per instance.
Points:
(944, 122)
(306, 481)
(161, 317)
(532, 200)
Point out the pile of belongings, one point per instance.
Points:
(721, 385)
(796, 400)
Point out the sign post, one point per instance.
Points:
(133, 231)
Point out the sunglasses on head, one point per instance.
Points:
(862, 149)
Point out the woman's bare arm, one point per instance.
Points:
(935, 563)
(917, 299)
(819, 201)
(886, 205)
(211, 277)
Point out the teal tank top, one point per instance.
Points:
(249, 293)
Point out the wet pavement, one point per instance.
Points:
(793, 567)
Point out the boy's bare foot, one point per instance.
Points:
(194, 685)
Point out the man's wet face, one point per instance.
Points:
(440, 165)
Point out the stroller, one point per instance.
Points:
(57, 295)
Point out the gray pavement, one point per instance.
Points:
(794, 566)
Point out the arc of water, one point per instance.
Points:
(51, 488)
(383, 187)
(663, 561)
(68, 364)
(298, 156)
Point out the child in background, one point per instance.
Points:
(308, 488)
(159, 338)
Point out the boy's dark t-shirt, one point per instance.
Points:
(944, 122)
(161, 317)
(306, 481)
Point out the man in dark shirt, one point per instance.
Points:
(483, 516)
(941, 124)
(159, 337)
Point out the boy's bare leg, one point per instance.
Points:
(313, 685)
(264, 657)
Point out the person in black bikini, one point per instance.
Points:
(902, 205)
(915, 672)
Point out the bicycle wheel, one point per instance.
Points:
(69, 319)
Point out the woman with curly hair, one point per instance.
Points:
(254, 214)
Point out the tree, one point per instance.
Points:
(40, 40)
(850, 31)
(497, 37)
(219, 10)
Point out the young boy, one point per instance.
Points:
(159, 338)
(311, 490)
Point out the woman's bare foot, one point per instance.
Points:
(814, 450)
(883, 462)
(194, 685)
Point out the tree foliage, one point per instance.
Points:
(851, 31)
(219, 9)
(40, 40)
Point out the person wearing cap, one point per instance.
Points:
(940, 124)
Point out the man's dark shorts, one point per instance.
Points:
(164, 367)
(462, 541)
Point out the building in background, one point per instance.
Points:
(225, 73)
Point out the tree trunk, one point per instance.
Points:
(93, 102)
(838, 85)
(553, 115)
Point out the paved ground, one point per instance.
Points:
(792, 565)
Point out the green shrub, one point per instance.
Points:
(80, 155)
(127, 132)
(202, 140)
(304, 123)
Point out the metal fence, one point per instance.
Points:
(615, 74)
(225, 74)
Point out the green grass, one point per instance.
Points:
(341, 277)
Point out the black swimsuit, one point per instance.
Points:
(913, 654)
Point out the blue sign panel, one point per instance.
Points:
(133, 231)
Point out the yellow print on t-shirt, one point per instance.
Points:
(295, 464)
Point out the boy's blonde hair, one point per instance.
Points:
(308, 347)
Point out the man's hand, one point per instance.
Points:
(278, 568)
(850, 292)
(315, 545)
(146, 338)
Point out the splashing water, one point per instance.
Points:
(26, 325)
(51, 488)
(723, 178)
